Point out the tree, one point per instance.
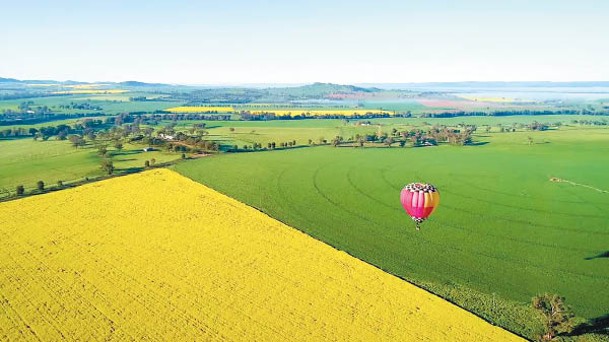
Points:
(40, 185)
(60, 184)
(336, 141)
(102, 150)
(557, 317)
(77, 141)
(152, 161)
(20, 190)
(183, 155)
(107, 166)
(118, 145)
(388, 141)
(147, 164)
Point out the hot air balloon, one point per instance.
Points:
(419, 200)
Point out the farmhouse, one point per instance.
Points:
(166, 136)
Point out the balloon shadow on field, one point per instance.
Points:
(598, 325)
(599, 256)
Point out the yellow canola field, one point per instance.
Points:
(156, 256)
(320, 112)
(200, 109)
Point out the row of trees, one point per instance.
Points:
(248, 116)
(61, 131)
(452, 114)
(81, 106)
(603, 122)
(269, 146)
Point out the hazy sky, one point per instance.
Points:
(286, 41)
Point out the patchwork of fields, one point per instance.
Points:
(277, 111)
(157, 256)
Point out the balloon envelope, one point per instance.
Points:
(419, 200)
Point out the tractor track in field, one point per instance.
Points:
(327, 198)
(521, 262)
(473, 185)
(456, 194)
(528, 223)
(502, 237)
(595, 205)
(350, 180)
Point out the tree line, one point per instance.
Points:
(452, 114)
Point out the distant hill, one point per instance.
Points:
(71, 82)
(141, 84)
(320, 90)
(8, 80)
(14, 80)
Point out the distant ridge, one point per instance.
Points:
(8, 80)
(339, 88)
(142, 84)
(493, 84)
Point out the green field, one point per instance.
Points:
(25, 162)
(503, 232)
(110, 104)
(247, 132)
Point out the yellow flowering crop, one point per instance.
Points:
(200, 109)
(156, 256)
(320, 112)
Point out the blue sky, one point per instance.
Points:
(227, 42)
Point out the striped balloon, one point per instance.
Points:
(419, 200)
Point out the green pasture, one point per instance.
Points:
(229, 133)
(25, 162)
(111, 104)
(503, 233)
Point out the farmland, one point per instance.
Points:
(220, 270)
(200, 109)
(522, 197)
(25, 162)
(91, 91)
(503, 233)
(321, 112)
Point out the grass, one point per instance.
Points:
(502, 234)
(25, 162)
(111, 103)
